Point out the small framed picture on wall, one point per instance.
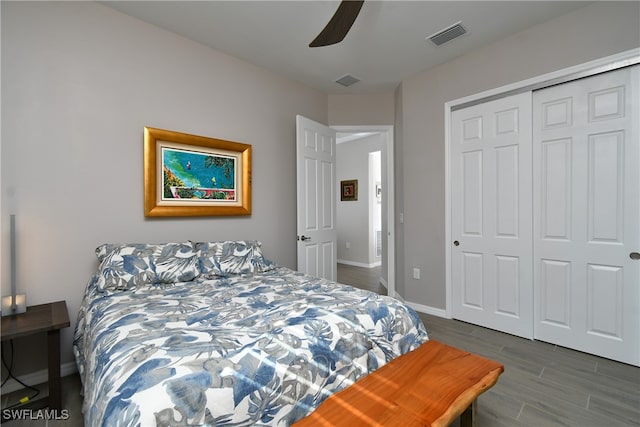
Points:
(349, 190)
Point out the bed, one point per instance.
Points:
(213, 333)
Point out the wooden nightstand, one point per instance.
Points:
(49, 318)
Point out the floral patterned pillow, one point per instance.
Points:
(127, 266)
(208, 258)
(232, 257)
(145, 249)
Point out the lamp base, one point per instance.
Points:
(8, 308)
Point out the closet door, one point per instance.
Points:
(491, 214)
(586, 214)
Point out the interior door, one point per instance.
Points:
(316, 198)
(587, 216)
(491, 252)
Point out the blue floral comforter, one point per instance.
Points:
(257, 349)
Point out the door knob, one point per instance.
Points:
(304, 238)
(456, 243)
(634, 255)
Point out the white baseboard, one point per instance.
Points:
(428, 310)
(384, 283)
(359, 264)
(38, 377)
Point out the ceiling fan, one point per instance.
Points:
(339, 25)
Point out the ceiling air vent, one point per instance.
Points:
(448, 34)
(347, 80)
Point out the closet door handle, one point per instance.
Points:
(634, 255)
(456, 243)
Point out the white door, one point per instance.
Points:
(587, 215)
(316, 200)
(491, 253)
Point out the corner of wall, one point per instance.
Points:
(399, 190)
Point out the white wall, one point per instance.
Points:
(79, 83)
(352, 217)
(376, 109)
(596, 31)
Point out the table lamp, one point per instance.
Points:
(14, 303)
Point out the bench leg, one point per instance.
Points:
(470, 415)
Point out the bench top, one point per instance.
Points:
(430, 386)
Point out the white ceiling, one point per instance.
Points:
(385, 45)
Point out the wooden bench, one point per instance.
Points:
(430, 386)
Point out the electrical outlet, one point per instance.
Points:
(416, 273)
(348, 245)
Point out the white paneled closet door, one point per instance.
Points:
(491, 214)
(586, 178)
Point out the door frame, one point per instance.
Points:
(388, 186)
(608, 63)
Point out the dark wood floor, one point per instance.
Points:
(363, 278)
(543, 384)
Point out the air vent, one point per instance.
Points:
(448, 34)
(347, 80)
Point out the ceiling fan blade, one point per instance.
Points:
(340, 24)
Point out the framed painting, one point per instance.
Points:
(190, 175)
(349, 190)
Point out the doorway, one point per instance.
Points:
(376, 190)
(359, 216)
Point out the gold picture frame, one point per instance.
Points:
(190, 175)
